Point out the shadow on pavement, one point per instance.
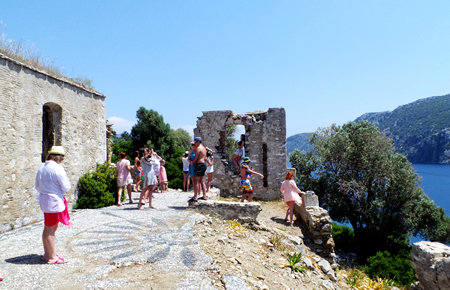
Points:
(178, 207)
(30, 259)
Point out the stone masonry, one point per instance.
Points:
(318, 223)
(265, 144)
(37, 111)
(432, 263)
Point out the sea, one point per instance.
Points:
(436, 184)
(435, 181)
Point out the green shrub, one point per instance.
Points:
(397, 268)
(344, 238)
(98, 188)
(174, 169)
(176, 183)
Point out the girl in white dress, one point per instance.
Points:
(150, 181)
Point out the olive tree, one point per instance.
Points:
(361, 180)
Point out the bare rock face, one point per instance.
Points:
(432, 263)
(245, 212)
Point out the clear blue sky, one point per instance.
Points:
(323, 61)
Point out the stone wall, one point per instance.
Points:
(37, 111)
(318, 222)
(265, 144)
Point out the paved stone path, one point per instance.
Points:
(113, 247)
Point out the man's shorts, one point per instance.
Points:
(246, 186)
(200, 169)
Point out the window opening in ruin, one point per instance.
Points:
(228, 144)
(51, 127)
(233, 134)
(264, 148)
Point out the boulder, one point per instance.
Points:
(432, 263)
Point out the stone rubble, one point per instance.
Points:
(432, 263)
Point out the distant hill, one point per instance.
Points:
(420, 130)
(298, 141)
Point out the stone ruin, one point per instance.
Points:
(265, 144)
(432, 263)
(318, 222)
(38, 111)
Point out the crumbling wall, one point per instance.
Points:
(38, 111)
(265, 133)
(318, 223)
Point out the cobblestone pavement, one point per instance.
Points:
(113, 247)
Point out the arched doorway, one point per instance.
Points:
(51, 127)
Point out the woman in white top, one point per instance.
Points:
(209, 169)
(52, 183)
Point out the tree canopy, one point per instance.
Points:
(360, 179)
(151, 131)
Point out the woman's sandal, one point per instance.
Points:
(57, 261)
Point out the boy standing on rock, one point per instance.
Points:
(246, 172)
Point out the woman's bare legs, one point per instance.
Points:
(185, 181)
(48, 239)
(119, 196)
(291, 211)
(129, 193)
(150, 196)
(142, 197)
(210, 177)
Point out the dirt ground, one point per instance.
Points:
(257, 254)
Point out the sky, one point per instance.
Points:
(324, 62)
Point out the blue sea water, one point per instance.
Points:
(436, 183)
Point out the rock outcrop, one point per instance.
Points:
(245, 212)
(432, 263)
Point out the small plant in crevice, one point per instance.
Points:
(293, 260)
(235, 225)
(276, 242)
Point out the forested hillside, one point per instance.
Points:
(420, 130)
(298, 141)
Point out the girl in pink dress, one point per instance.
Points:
(123, 168)
(163, 176)
(290, 193)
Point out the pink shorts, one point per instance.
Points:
(53, 218)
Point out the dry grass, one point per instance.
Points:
(29, 55)
(357, 279)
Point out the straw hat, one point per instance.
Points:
(57, 150)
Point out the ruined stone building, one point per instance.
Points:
(38, 110)
(265, 144)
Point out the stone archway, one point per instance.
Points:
(265, 133)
